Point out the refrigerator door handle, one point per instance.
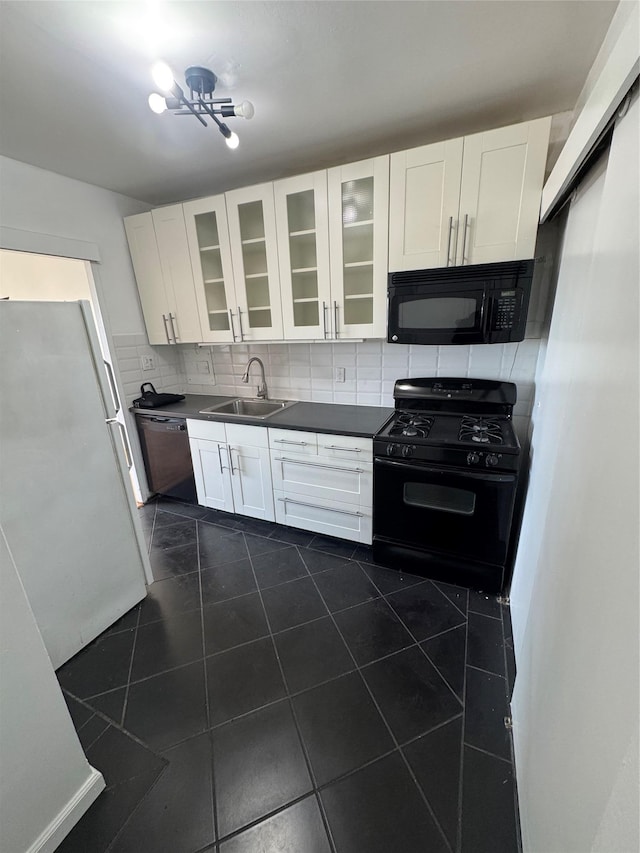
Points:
(112, 386)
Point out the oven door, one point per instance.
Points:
(425, 314)
(464, 515)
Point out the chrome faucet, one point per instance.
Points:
(262, 388)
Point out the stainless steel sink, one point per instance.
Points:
(243, 408)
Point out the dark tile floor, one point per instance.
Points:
(277, 691)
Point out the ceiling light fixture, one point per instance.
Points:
(202, 84)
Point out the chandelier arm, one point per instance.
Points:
(179, 94)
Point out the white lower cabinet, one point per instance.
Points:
(323, 516)
(315, 481)
(326, 485)
(231, 467)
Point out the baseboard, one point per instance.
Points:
(51, 837)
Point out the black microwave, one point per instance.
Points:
(476, 304)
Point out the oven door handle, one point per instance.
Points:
(418, 467)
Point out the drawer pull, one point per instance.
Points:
(286, 441)
(316, 506)
(319, 465)
(337, 447)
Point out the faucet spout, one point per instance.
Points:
(262, 388)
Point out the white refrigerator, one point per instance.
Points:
(66, 506)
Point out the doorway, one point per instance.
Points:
(29, 276)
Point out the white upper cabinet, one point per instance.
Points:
(254, 252)
(303, 251)
(502, 178)
(210, 249)
(145, 257)
(358, 233)
(175, 261)
(160, 256)
(424, 198)
(468, 201)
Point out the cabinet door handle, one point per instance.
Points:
(233, 328)
(464, 237)
(233, 470)
(316, 506)
(449, 241)
(324, 319)
(240, 323)
(174, 321)
(337, 447)
(335, 319)
(166, 328)
(319, 465)
(286, 441)
(222, 467)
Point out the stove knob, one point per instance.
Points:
(473, 458)
(407, 450)
(492, 459)
(392, 449)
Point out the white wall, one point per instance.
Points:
(35, 200)
(46, 783)
(575, 588)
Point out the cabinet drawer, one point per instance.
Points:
(343, 481)
(345, 447)
(323, 516)
(293, 440)
(207, 430)
(252, 436)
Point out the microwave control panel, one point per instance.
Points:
(505, 309)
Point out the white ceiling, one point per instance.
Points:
(331, 82)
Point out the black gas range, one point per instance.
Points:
(445, 478)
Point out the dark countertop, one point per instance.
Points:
(309, 417)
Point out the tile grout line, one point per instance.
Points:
(487, 752)
(384, 719)
(296, 723)
(214, 807)
(418, 643)
(462, 733)
(133, 651)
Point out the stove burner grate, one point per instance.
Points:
(480, 430)
(412, 425)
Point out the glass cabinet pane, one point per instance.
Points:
(207, 230)
(251, 220)
(357, 249)
(212, 274)
(303, 257)
(301, 211)
(357, 200)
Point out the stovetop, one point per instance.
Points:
(459, 422)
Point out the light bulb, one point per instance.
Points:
(157, 103)
(233, 140)
(163, 76)
(245, 110)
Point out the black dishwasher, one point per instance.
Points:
(167, 457)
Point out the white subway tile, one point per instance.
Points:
(368, 399)
(369, 373)
(369, 360)
(345, 397)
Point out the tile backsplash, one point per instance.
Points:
(313, 371)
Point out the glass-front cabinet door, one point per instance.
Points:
(358, 230)
(254, 251)
(210, 250)
(303, 252)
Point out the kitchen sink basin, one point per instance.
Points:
(243, 408)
